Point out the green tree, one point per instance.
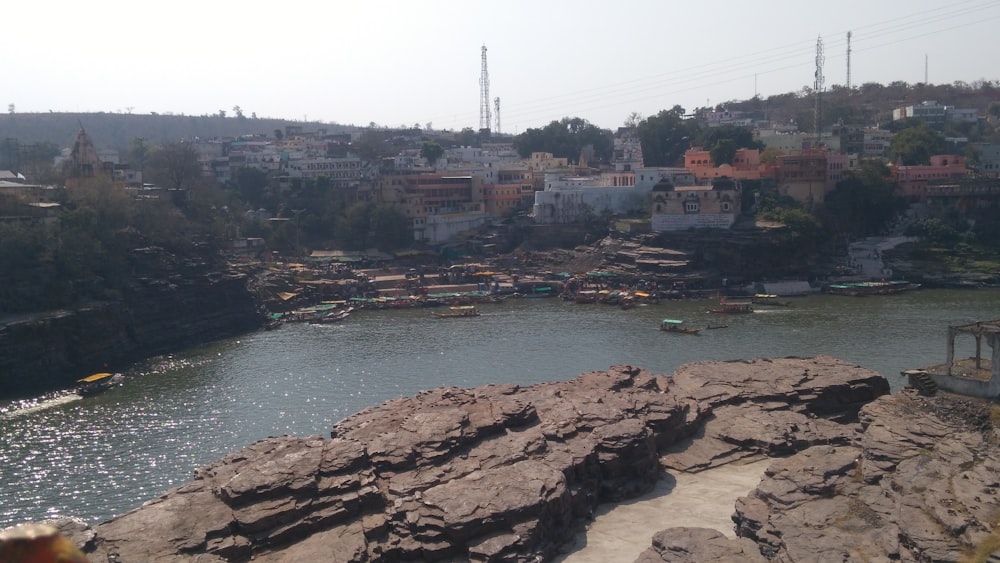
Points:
(862, 204)
(916, 144)
(566, 139)
(666, 136)
(354, 227)
(392, 229)
(251, 184)
(432, 151)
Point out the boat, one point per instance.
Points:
(769, 299)
(334, 316)
(733, 307)
(675, 325)
(585, 296)
(458, 311)
(861, 289)
(711, 326)
(98, 383)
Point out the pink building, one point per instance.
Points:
(745, 166)
(912, 180)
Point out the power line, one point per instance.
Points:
(695, 77)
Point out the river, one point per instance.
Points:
(103, 455)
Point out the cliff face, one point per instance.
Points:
(498, 473)
(178, 305)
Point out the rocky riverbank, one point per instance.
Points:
(176, 304)
(494, 473)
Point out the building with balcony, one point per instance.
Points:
(803, 176)
(913, 180)
(439, 206)
(677, 208)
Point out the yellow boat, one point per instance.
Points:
(97, 383)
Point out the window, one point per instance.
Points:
(690, 207)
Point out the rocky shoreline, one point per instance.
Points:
(508, 473)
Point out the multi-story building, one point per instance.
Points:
(439, 206)
(913, 180)
(803, 176)
(745, 166)
(677, 208)
(512, 190)
(935, 114)
(568, 198)
(989, 159)
(342, 172)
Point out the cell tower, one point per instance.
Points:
(484, 96)
(818, 88)
(848, 61)
(496, 107)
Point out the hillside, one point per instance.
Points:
(868, 104)
(116, 130)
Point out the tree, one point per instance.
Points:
(175, 165)
(10, 109)
(666, 136)
(863, 203)
(915, 145)
(432, 151)
(251, 185)
(566, 138)
(353, 229)
(392, 229)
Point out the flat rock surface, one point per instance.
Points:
(497, 473)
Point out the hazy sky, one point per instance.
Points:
(419, 61)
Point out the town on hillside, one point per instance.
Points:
(375, 195)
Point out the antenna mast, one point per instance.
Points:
(848, 60)
(818, 88)
(484, 96)
(925, 68)
(496, 107)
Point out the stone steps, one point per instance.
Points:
(925, 385)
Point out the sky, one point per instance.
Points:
(419, 62)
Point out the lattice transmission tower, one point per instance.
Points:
(848, 61)
(496, 108)
(818, 88)
(484, 96)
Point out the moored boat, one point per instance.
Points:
(862, 289)
(458, 311)
(733, 307)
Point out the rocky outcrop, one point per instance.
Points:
(495, 473)
(919, 482)
(178, 304)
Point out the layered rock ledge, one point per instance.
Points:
(494, 473)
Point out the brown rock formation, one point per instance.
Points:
(488, 474)
(920, 483)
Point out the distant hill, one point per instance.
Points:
(116, 130)
(867, 104)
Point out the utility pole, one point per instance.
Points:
(496, 105)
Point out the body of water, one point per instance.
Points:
(103, 455)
